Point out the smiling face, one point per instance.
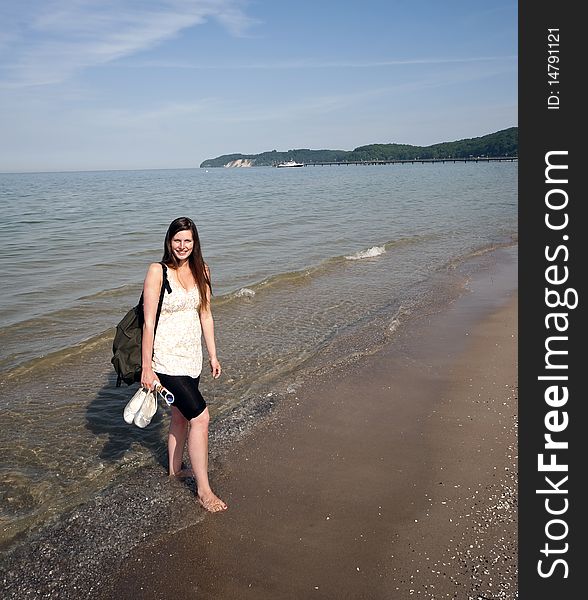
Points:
(182, 244)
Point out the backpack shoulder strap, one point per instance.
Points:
(164, 286)
(165, 282)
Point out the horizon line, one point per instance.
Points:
(103, 170)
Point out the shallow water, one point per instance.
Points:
(309, 266)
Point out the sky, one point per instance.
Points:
(147, 84)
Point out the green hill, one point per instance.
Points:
(501, 143)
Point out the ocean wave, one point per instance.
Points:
(11, 367)
(482, 250)
(398, 319)
(96, 310)
(245, 293)
(117, 292)
(369, 253)
(305, 276)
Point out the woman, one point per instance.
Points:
(174, 356)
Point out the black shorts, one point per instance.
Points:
(188, 399)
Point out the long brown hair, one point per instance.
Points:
(195, 260)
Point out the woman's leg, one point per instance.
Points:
(198, 452)
(178, 432)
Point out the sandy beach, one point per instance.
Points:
(392, 476)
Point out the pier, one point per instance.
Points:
(415, 160)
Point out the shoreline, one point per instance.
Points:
(122, 521)
(411, 494)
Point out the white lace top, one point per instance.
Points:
(177, 349)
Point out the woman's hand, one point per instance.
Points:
(148, 378)
(215, 367)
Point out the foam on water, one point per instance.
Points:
(369, 253)
(245, 293)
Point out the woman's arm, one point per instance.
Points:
(151, 291)
(207, 323)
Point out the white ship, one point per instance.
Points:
(290, 163)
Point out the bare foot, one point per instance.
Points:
(183, 473)
(211, 502)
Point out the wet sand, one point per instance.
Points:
(393, 476)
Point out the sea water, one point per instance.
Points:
(309, 267)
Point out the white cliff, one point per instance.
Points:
(241, 162)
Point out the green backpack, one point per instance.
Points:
(126, 347)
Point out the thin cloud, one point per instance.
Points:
(50, 43)
(238, 111)
(286, 65)
(159, 117)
